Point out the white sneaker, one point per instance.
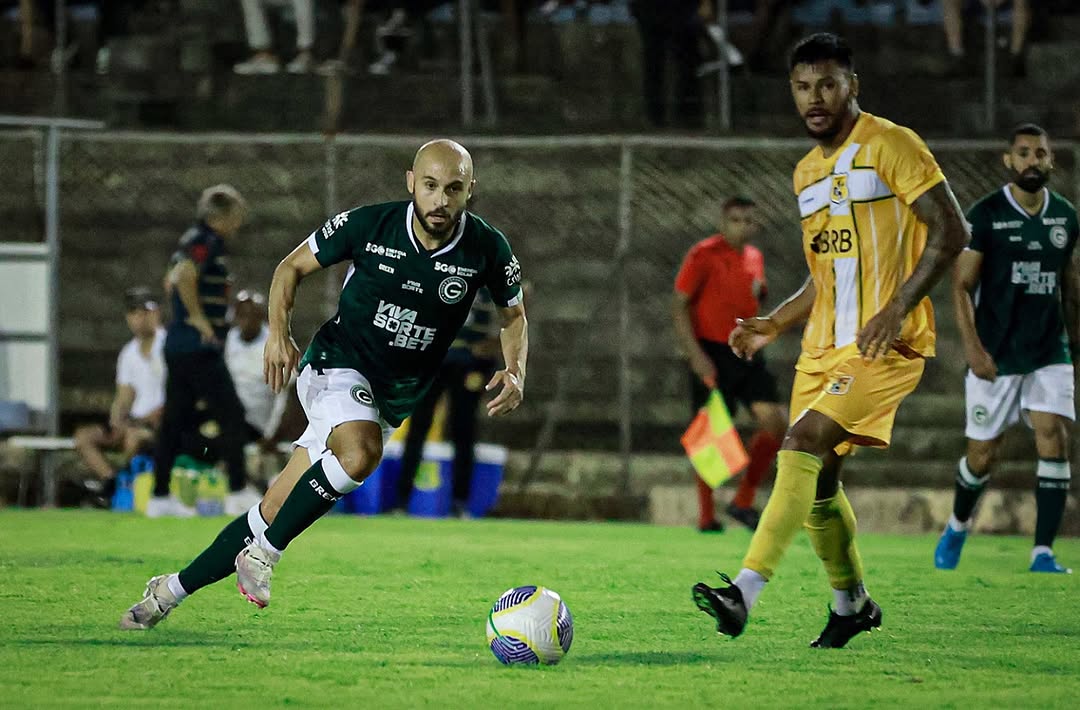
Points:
(383, 65)
(254, 568)
(259, 64)
(157, 602)
(168, 507)
(332, 67)
(101, 63)
(241, 501)
(302, 64)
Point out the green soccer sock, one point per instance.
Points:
(311, 498)
(1051, 494)
(969, 488)
(218, 561)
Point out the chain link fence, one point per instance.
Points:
(600, 225)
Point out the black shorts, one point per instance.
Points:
(739, 381)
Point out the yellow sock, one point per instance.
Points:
(831, 527)
(787, 510)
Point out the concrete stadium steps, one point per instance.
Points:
(602, 473)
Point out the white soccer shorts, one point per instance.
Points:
(332, 397)
(992, 407)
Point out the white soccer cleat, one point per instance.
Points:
(241, 501)
(258, 64)
(155, 606)
(254, 568)
(168, 507)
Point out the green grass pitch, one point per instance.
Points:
(389, 612)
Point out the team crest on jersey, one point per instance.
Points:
(1059, 237)
(840, 385)
(361, 395)
(453, 289)
(839, 192)
(979, 415)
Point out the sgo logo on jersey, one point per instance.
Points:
(839, 193)
(381, 250)
(361, 395)
(454, 270)
(453, 289)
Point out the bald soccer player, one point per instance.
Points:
(415, 267)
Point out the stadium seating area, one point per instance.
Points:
(571, 75)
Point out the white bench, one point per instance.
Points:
(48, 445)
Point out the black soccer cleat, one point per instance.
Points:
(725, 604)
(749, 517)
(841, 629)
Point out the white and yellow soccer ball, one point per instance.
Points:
(530, 625)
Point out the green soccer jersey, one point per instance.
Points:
(1018, 312)
(401, 306)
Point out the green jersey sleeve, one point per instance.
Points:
(980, 227)
(336, 240)
(504, 276)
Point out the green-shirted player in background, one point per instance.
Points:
(415, 268)
(1015, 290)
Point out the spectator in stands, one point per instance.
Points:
(264, 60)
(953, 17)
(137, 404)
(723, 279)
(465, 371)
(244, 358)
(670, 29)
(198, 278)
(114, 17)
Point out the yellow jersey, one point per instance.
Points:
(861, 238)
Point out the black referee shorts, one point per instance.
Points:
(739, 381)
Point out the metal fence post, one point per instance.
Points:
(725, 69)
(465, 42)
(990, 71)
(622, 259)
(332, 287)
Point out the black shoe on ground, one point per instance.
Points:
(842, 629)
(713, 526)
(749, 517)
(725, 604)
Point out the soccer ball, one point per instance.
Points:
(530, 625)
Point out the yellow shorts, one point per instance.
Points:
(860, 396)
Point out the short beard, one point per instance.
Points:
(1029, 183)
(451, 224)
(827, 133)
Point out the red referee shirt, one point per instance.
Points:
(719, 283)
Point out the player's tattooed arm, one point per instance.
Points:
(510, 381)
(965, 278)
(947, 235)
(280, 354)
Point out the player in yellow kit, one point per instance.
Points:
(880, 227)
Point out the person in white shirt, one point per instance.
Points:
(137, 404)
(244, 358)
(262, 408)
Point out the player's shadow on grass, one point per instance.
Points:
(646, 658)
(135, 638)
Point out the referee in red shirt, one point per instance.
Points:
(721, 279)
